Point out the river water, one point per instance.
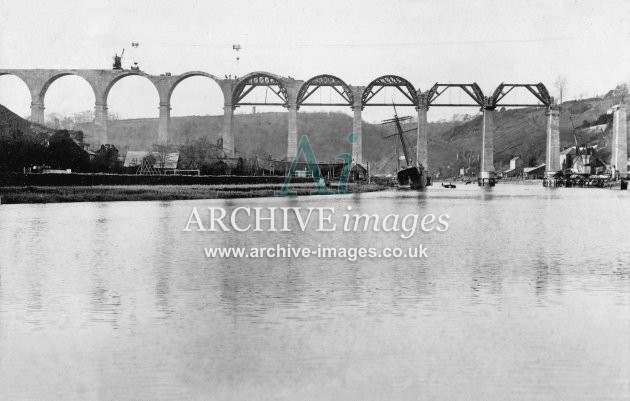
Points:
(525, 296)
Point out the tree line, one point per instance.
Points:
(20, 151)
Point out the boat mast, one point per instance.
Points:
(397, 156)
(399, 131)
(401, 137)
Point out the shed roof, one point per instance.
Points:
(530, 169)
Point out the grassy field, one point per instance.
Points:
(11, 195)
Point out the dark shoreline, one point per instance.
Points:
(111, 193)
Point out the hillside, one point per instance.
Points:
(266, 133)
(9, 122)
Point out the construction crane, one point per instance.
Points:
(237, 48)
(118, 61)
(135, 66)
(585, 151)
(577, 146)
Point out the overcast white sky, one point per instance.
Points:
(424, 41)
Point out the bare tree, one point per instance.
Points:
(620, 92)
(162, 152)
(86, 116)
(560, 84)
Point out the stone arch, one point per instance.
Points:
(325, 80)
(404, 86)
(110, 84)
(23, 80)
(49, 81)
(21, 77)
(260, 78)
(189, 74)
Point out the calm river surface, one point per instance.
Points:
(525, 296)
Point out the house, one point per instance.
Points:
(516, 168)
(358, 172)
(78, 138)
(91, 154)
(515, 162)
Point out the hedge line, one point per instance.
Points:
(75, 179)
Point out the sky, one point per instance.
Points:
(463, 41)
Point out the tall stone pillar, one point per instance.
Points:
(486, 176)
(422, 144)
(619, 157)
(37, 112)
(100, 123)
(292, 138)
(552, 160)
(227, 132)
(357, 124)
(165, 122)
(357, 128)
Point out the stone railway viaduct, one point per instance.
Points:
(293, 94)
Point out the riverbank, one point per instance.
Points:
(110, 193)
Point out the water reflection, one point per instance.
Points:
(105, 304)
(163, 262)
(516, 300)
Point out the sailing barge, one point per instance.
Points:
(409, 176)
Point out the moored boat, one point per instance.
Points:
(412, 176)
